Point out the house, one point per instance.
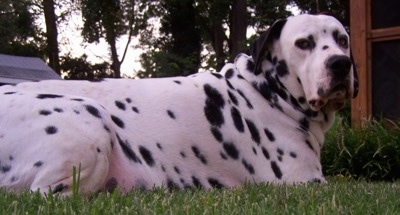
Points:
(16, 69)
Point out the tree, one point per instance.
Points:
(108, 19)
(18, 33)
(78, 68)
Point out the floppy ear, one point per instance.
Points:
(260, 46)
(355, 78)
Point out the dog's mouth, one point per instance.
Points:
(334, 98)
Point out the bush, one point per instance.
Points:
(371, 152)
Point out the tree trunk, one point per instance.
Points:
(238, 28)
(51, 35)
(116, 64)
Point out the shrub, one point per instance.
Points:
(371, 152)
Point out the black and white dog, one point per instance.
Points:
(261, 119)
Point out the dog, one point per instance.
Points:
(261, 119)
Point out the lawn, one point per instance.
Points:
(339, 196)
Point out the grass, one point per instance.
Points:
(339, 196)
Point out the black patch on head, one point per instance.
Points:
(38, 164)
(214, 104)
(171, 114)
(118, 121)
(246, 99)
(120, 105)
(265, 153)
(196, 182)
(229, 73)
(255, 135)
(48, 96)
(51, 130)
(269, 134)
(178, 82)
(312, 42)
(44, 112)
(59, 188)
(217, 134)
(147, 156)
(126, 148)
(282, 69)
(134, 109)
(92, 110)
(217, 75)
(198, 154)
(335, 35)
(215, 183)
(248, 166)
(277, 171)
(237, 119)
(231, 150)
(233, 98)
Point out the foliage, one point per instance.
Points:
(80, 69)
(18, 33)
(371, 152)
(338, 197)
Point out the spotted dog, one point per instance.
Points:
(260, 119)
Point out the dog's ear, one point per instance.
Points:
(355, 77)
(260, 47)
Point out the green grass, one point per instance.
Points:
(339, 196)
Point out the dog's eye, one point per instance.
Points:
(342, 41)
(303, 44)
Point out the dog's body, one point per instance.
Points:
(261, 119)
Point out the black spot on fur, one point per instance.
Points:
(177, 170)
(265, 153)
(171, 184)
(183, 154)
(111, 184)
(229, 74)
(217, 134)
(214, 105)
(233, 98)
(282, 69)
(302, 100)
(128, 100)
(98, 150)
(250, 66)
(178, 82)
(248, 166)
(246, 99)
(48, 96)
(304, 124)
(9, 93)
(277, 171)
(5, 168)
(38, 164)
(134, 109)
(92, 110)
(255, 135)
(309, 145)
(159, 146)
(217, 75)
(229, 85)
(198, 154)
(44, 112)
(171, 114)
(269, 135)
(293, 154)
(78, 100)
(120, 105)
(231, 150)
(196, 182)
(118, 121)
(240, 76)
(126, 148)
(51, 130)
(215, 183)
(147, 156)
(59, 188)
(237, 119)
(280, 151)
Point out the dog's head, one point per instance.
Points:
(313, 52)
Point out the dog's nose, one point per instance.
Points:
(339, 65)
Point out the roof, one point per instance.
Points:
(16, 69)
